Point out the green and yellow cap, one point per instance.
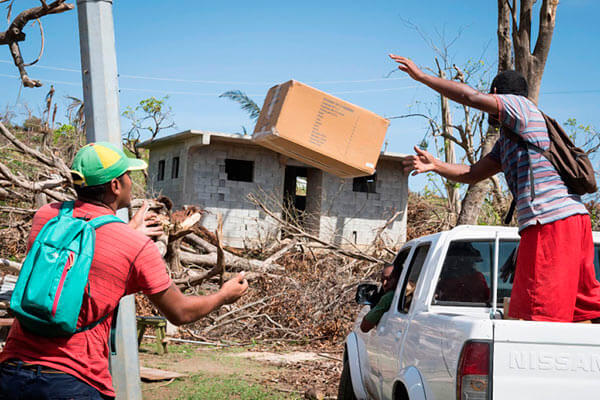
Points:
(100, 162)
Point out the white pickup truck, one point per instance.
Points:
(444, 336)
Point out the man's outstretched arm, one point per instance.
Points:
(425, 162)
(457, 91)
(180, 309)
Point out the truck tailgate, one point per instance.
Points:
(545, 360)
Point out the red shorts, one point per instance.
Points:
(555, 278)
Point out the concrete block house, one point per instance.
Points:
(217, 171)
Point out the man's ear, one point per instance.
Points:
(115, 187)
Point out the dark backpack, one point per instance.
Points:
(571, 162)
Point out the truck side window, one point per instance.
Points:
(466, 276)
(399, 260)
(412, 277)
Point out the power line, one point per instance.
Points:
(154, 78)
(78, 84)
(127, 89)
(572, 91)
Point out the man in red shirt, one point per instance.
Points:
(125, 261)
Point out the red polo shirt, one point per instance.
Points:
(125, 261)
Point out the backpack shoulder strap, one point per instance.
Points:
(524, 144)
(66, 208)
(103, 220)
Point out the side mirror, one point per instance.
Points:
(365, 293)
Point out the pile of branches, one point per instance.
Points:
(31, 175)
(312, 301)
(301, 288)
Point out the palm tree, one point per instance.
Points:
(245, 102)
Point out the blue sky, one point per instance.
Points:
(253, 46)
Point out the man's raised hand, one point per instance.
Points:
(419, 163)
(406, 65)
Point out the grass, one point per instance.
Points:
(211, 374)
(218, 388)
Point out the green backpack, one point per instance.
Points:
(48, 294)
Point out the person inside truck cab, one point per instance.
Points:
(555, 278)
(389, 280)
(460, 281)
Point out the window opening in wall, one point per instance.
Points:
(175, 168)
(161, 171)
(239, 170)
(300, 186)
(365, 184)
(355, 237)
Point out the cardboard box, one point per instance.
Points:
(320, 130)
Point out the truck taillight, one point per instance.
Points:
(473, 372)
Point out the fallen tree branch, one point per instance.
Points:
(51, 161)
(275, 256)
(299, 232)
(14, 34)
(17, 210)
(10, 266)
(230, 260)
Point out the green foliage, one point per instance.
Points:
(245, 102)
(152, 105)
(150, 115)
(64, 130)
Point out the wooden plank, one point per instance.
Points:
(153, 374)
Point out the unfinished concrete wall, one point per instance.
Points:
(208, 186)
(168, 186)
(335, 212)
(354, 217)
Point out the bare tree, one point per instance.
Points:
(467, 134)
(14, 34)
(530, 64)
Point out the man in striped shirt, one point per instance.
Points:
(126, 261)
(555, 278)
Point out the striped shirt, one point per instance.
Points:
(125, 261)
(549, 199)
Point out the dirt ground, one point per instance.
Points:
(244, 373)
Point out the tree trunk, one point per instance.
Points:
(451, 187)
(532, 64)
(471, 204)
(505, 55)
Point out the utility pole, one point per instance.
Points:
(102, 119)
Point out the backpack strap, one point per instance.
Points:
(511, 211)
(97, 223)
(103, 220)
(66, 208)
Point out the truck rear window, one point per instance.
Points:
(466, 277)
